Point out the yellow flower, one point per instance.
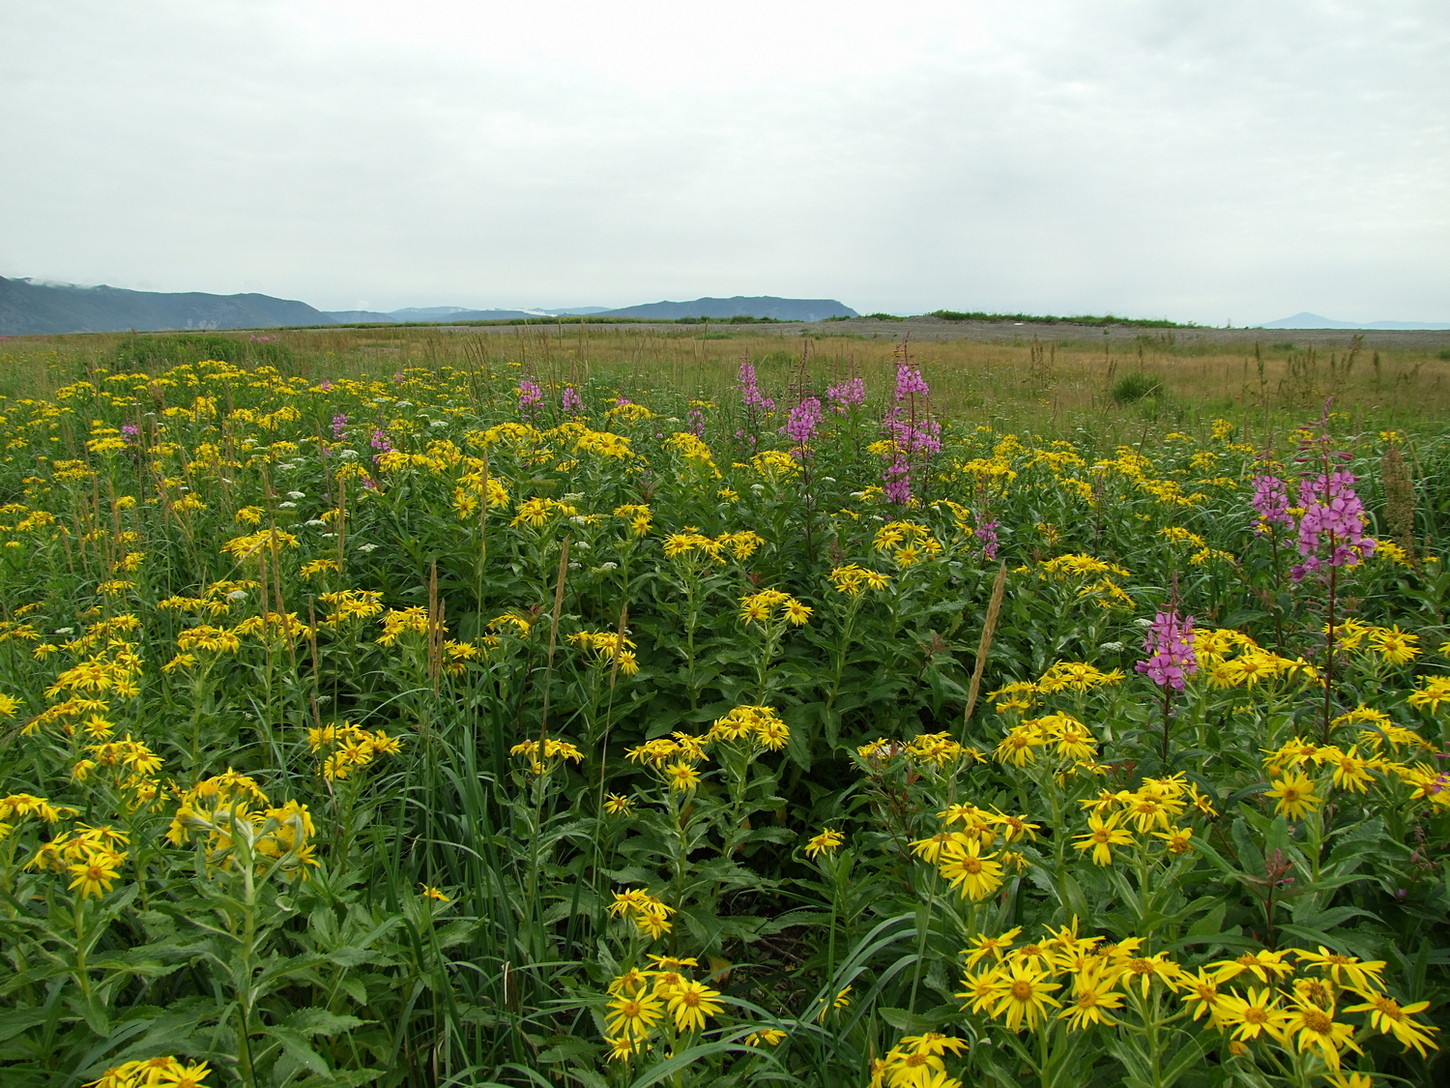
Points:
(1023, 997)
(95, 873)
(1178, 839)
(430, 892)
(1102, 835)
(1249, 1017)
(976, 877)
(633, 1015)
(682, 775)
(765, 1037)
(1093, 999)
(1294, 796)
(1314, 1028)
(616, 804)
(827, 842)
(1390, 1017)
(690, 1003)
(1395, 646)
(1362, 975)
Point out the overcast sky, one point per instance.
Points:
(1204, 160)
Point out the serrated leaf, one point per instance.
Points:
(315, 1021)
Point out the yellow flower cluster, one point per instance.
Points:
(160, 1072)
(1097, 580)
(92, 856)
(1071, 740)
(761, 724)
(638, 515)
(917, 1062)
(674, 758)
(741, 545)
(266, 542)
(971, 859)
(544, 756)
(1155, 808)
(643, 1000)
(348, 748)
(398, 622)
(650, 915)
(128, 765)
(537, 512)
(1299, 767)
(852, 579)
(1231, 659)
(228, 815)
(933, 750)
(610, 648)
(769, 606)
(691, 448)
(1393, 645)
(907, 542)
(1253, 998)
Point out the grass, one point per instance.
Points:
(1051, 387)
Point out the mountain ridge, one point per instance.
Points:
(1306, 320)
(32, 307)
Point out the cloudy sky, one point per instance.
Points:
(1226, 161)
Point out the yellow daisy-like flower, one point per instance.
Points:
(1392, 1018)
(1259, 1013)
(690, 1003)
(1023, 997)
(633, 1015)
(976, 877)
(95, 873)
(1093, 1001)
(827, 842)
(1314, 1028)
(1395, 646)
(682, 775)
(1294, 796)
(1102, 835)
(765, 1037)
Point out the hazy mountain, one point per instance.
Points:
(30, 307)
(1315, 321)
(782, 309)
(432, 313)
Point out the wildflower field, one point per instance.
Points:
(485, 720)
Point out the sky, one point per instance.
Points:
(1220, 163)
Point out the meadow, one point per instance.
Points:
(567, 706)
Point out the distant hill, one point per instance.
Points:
(1315, 321)
(27, 307)
(781, 309)
(431, 314)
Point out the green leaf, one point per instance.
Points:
(295, 1044)
(315, 1021)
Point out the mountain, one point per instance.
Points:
(1315, 321)
(30, 307)
(781, 309)
(431, 314)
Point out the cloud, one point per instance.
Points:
(1141, 157)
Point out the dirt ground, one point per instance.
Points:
(933, 328)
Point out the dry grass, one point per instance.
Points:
(1048, 386)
